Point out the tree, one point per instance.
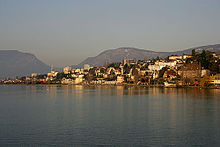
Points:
(167, 59)
(158, 58)
(215, 69)
(60, 76)
(188, 60)
(23, 78)
(193, 52)
(135, 73)
(102, 70)
(92, 71)
(162, 71)
(146, 65)
(207, 61)
(112, 72)
(126, 69)
(115, 65)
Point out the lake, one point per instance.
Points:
(55, 115)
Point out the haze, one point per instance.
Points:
(65, 32)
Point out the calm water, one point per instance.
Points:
(108, 116)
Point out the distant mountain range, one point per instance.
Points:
(15, 63)
(117, 55)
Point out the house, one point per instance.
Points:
(175, 57)
(214, 54)
(67, 81)
(120, 79)
(205, 72)
(78, 80)
(34, 75)
(67, 70)
(129, 61)
(210, 81)
(86, 67)
(190, 72)
(186, 56)
(215, 80)
(160, 64)
(169, 75)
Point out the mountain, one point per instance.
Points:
(15, 63)
(117, 55)
(212, 48)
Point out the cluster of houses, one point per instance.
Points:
(172, 71)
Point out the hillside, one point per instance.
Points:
(15, 63)
(117, 55)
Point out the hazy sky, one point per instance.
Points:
(65, 32)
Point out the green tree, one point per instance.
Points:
(126, 69)
(60, 76)
(102, 70)
(193, 52)
(207, 60)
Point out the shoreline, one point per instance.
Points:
(115, 85)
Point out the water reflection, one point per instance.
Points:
(80, 91)
(65, 115)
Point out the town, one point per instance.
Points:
(196, 70)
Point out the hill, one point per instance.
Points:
(117, 55)
(15, 63)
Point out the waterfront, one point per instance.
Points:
(108, 116)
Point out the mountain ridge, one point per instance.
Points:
(16, 63)
(117, 55)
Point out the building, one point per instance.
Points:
(214, 55)
(186, 56)
(190, 72)
(210, 81)
(79, 80)
(215, 80)
(155, 67)
(205, 72)
(67, 81)
(129, 61)
(175, 57)
(120, 79)
(52, 74)
(159, 65)
(86, 66)
(67, 70)
(169, 75)
(34, 75)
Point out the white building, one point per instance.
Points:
(52, 74)
(120, 79)
(78, 80)
(186, 56)
(159, 65)
(34, 75)
(86, 66)
(175, 57)
(67, 70)
(78, 70)
(67, 81)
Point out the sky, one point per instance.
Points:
(65, 32)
